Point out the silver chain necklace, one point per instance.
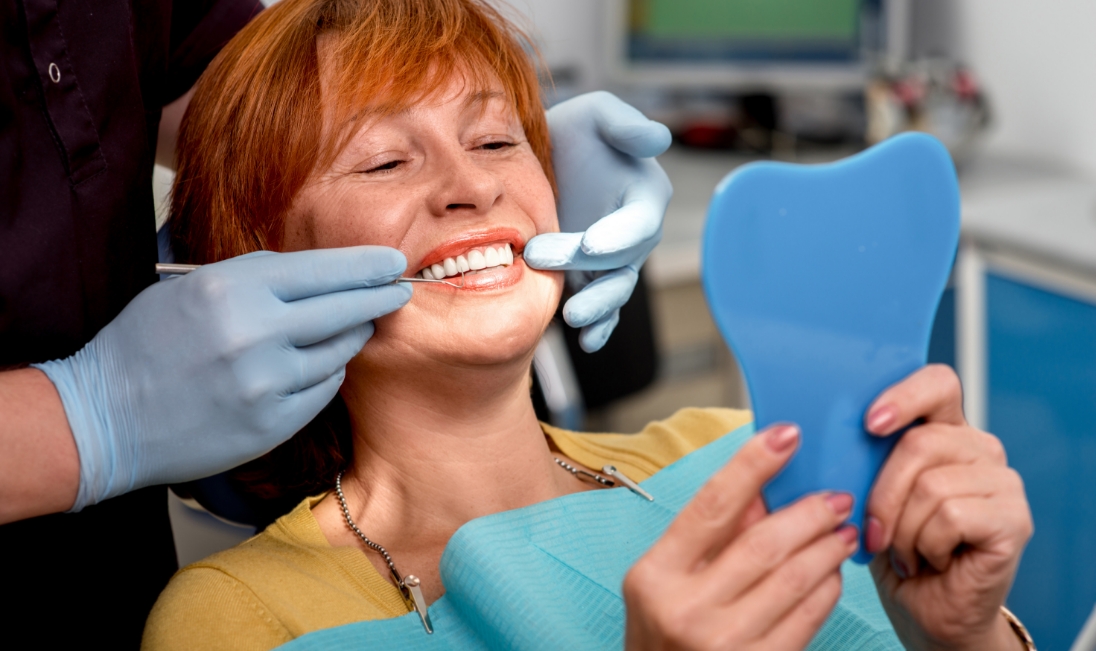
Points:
(411, 587)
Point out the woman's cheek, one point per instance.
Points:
(534, 195)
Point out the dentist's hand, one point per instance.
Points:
(612, 197)
(203, 372)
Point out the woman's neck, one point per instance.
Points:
(430, 455)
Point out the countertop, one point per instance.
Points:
(1030, 208)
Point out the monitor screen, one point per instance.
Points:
(799, 31)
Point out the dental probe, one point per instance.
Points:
(181, 269)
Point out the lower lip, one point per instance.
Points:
(485, 279)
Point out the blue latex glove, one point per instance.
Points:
(612, 197)
(203, 372)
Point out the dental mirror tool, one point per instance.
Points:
(173, 269)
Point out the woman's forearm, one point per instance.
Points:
(39, 464)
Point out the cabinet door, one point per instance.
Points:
(1041, 358)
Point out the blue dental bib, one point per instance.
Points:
(548, 576)
(824, 280)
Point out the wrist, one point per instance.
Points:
(39, 464)
(1001, 636)
(1018, 630)
(85, 395)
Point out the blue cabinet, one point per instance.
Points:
(1041, 355)
(1037, 342)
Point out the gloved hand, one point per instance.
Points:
(206, 371)
(612, 197)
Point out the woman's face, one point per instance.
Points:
(451, 183)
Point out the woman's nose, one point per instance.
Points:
(464, 185)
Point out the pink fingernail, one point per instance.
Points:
(782, 437)
(873, 535)
(841, 503)
(849, 533)
(881, 419)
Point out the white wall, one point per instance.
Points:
(569, 35)
(1037, 58)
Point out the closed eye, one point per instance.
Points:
(390, 165)
(499, 144)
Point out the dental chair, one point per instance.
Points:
(570, 381)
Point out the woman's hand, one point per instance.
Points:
(726, 575)
(952, 514)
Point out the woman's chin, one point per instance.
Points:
(497, 323)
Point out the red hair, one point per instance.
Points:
(253, 134)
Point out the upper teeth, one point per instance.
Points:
(474, 260)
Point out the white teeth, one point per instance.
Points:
(473, 260)
(491, 257)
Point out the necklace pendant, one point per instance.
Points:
(412, 584)
(631, 485)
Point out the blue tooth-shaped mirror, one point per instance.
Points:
(824, 281)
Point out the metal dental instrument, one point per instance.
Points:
(177, 269)
(181, 269)
(428, 280)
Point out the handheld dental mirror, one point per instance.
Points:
(824, 281)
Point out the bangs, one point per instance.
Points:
(389, 56)
(253, 134)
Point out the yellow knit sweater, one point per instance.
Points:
(288, 580)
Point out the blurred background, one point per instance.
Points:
(1007, 85)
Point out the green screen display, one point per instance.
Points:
(747, 20)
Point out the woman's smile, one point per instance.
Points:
(479, 260)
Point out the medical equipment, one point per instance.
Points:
(745, 46)
(174, 269)
(824, 280)
(549, 576)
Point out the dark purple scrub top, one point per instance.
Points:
(82, 83)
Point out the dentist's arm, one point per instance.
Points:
(612, 198)
(39, 466)
(196, 375)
